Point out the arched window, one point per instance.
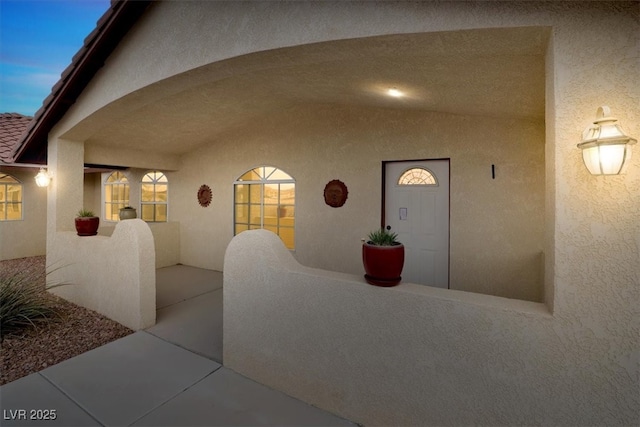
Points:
(10, 198)
(154, 198)
(116, 195)
(417, 176)
(264, 197)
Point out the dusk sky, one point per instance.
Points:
(38, 38)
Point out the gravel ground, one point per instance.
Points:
(78, 330)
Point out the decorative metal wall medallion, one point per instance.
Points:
(335, 193)
(204, 195)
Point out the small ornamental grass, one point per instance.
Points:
(23, 302)
(85, 213)
(383, 237)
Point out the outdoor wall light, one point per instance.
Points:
(605, 146)
(43, 178)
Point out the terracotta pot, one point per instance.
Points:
(383, 264)
(87, 226)
(128, 213)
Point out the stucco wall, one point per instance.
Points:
(497, 225)
(26, 237)
(114, 276)
(414, 355)
(92, 197)
(592, 227)
(166, 241)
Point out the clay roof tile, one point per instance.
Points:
(12, 127)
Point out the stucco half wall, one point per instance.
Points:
(415, 355)
(114, 276)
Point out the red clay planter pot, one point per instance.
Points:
(383, 264)
(87, 226)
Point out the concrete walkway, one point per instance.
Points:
(168, 375)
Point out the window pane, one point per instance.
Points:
(287, 194)
(278, 174)
(147, 213)
(14, 211)
(267, 205)
(287, 211)
(242, 193)
(270, 221)
(287, 236)
(161, 213)
(14, 193)
(147, 192)
(118, 193)
(3, 192)
(417, 176)
(161, 193)
(271, 194)
(255, 193)
(117, 177)
(241, 227)
(252, 175)
(242, 214)
(3, 211)
(254, 215)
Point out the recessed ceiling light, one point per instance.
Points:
(394, 92)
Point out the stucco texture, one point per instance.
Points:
(166, 99)
(114, 276)
(26, 237)
(415, 355)
(496, 224)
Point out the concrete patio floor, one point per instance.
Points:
(168, 375)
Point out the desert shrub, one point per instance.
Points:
(23, 302)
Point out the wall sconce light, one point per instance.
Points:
(605, 146)
(43, 178)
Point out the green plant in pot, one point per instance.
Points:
(383, 258)
(87, 223)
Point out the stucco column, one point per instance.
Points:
(65, 193)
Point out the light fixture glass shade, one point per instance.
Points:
(605, 146)
(42, 178)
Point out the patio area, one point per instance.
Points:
(167, 375)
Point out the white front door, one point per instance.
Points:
(417, 209)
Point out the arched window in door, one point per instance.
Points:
(264, 197)
(417, 176)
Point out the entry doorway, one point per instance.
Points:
(416, 207)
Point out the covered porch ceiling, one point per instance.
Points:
(485, 72)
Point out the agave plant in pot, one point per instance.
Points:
(383, 258)
(87, 223)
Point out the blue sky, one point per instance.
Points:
(38, 38)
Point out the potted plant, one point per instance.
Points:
(87, 223)
(383, 258)
(128, 213)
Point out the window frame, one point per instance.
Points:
(433, 176)
(264, 180)
(106, 183)
(6, 202)
(154, 203)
